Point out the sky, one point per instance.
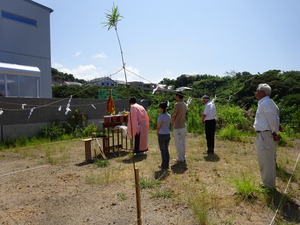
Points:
(165, 39)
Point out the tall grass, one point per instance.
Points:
(199, 204)
(245, 186)
(230, 133)
(149, 183)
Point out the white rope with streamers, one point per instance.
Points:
(285, 190)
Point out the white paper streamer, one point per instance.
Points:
(214, 99)
(59, 109)
(158, 87)
(93, 106)
(68, 106)
(1, 112)
(23, 105)
(31, 111)
(189, 101)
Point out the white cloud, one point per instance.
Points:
(77, 54)
(100, 56)
(86, 72)
(57, 65)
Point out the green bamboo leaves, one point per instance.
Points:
(113, 17)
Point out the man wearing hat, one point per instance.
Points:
(209, 121)
(179, 128)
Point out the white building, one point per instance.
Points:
(25, 58)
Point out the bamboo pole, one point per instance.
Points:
(138, 196)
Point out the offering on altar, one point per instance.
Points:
(119, 118)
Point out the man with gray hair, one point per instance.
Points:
(266, 125)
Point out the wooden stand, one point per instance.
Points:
(114, 140)
(88, 149)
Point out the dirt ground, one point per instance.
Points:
(35, 192)
(50, 184)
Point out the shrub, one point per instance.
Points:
(53, 131)
(228, 114)
(89, 130)
(245, 186)
(284, 140)
(230, 133)
(194, 118)
(153, 115)
(76, 122)
(21, 142)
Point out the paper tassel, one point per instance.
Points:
(68, 106)
(31, 111)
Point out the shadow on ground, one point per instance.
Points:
(283, 174)
(161, 174)
(179, 167)
(212, 158)
(135, 158)
(288, 209)
(110, 155)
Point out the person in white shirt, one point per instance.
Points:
(209, 121)
(266, 125)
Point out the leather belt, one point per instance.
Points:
(258, 131)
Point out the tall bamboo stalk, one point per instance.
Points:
(113, 18)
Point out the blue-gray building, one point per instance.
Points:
(25, 55)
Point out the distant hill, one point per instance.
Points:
(60, 77)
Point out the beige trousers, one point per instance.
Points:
(266, 153)
(179, 139)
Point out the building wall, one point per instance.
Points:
(25, 44)
(14, 121)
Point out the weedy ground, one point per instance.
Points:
(50, 184)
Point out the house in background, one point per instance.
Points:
(25, 55)
(143, 86)
(103, 82)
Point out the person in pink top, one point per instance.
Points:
(138, 126)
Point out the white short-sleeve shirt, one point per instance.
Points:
(210, 110)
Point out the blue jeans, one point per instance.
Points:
(163, 141)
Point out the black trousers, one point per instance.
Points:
(163, 141)
(210, 128)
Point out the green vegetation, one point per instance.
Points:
(75, 127)
(122, 195)
(162, 194)
(236, 103)
(101, 163)
(230, 133)
(199, 203)
(60, 77)
(245, 186)
(149, 183)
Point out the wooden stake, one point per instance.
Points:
(138, 196)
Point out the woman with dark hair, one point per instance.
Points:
(163, 133)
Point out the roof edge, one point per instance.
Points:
(39, 5)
